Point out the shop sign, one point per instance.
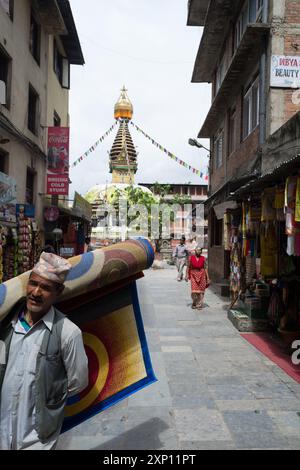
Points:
(58, 161)
(8, 213)
(27, 209)
(51, 214)
(82, 207)
(66, 252)
(285, 71)
(8, 189)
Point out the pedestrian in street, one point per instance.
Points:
(198, 275)
(49, 249)
(181, 256)
(88, 246)
(44, 362)
(192, 245)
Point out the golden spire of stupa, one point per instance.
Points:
(123, 108)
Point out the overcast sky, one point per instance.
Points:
(146, 46)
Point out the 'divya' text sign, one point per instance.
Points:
(285, 71)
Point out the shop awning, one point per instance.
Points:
(220, 209)
(224, 192)
(73, 213)
(276, 176)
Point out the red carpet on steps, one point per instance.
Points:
(271, 346)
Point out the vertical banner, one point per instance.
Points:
(58, 161)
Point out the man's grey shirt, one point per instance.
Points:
(17, 412)
(181, 252)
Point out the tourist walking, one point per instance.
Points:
(198, 275)
(181, 255)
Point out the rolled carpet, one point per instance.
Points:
(101, 298)
(90, 272)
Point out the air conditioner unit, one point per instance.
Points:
(2, 92)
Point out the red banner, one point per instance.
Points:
(58, 161)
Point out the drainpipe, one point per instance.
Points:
(263, 79)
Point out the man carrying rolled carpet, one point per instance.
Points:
(44, 362)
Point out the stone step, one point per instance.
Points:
(222, 289)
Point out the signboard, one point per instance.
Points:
(58, 161)
(27, 209)
(285, 71)
(8, 213)
(8, 189)
(82, 207)
(51, 214)
(66, 252)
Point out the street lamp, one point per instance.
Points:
(195, 143)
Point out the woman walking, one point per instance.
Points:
(198, 275)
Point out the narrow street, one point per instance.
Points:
(214, 390)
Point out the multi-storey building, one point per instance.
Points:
(194, 196)
(249, 52)
(38, 43)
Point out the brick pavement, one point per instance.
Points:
(214, 390)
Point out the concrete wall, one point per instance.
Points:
(216, 263)
(14, 38)
(58, 97)
(283, 145)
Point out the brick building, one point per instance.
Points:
(249, 52)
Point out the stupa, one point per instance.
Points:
(123, 156)
(122, 159)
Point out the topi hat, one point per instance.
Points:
(52, 267)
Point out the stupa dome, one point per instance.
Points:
(102, 192)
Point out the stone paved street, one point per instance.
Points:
(214, 390)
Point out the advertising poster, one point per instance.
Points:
(58, 161)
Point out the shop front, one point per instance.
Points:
(68, 227)
(263, 237)
(20, 237)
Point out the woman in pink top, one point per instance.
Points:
(198, 275)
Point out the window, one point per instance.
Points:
(57, 62)
(251, 13)
(35, 38)
(30, 177)
(232, 132)
(33, 102)
(220, 74)
(218, 150)
(251, 109)
(5, 73)
(56, 120)
(8, 6)
(177, 190)
(61, 67)
(4, 162)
